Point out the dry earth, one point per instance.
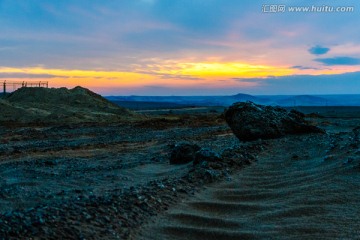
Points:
(114, 181)
(91, 181)
(59, 105)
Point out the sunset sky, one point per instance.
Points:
(182, 47)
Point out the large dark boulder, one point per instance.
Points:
(183, 153)
(250, 121)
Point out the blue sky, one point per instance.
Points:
(181, 47)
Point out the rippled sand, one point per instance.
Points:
(301, 188)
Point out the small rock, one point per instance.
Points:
(183, 153)
(349, 160)
(206, 155)
(328, 157)
(212, 175)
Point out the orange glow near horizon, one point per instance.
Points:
(227, 70)
(169, 74)
(88, 77)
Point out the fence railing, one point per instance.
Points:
(7, 85)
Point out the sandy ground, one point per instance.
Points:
(300, 187)
(91, 181)
(291, 192)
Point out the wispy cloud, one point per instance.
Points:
(25, 76)
(344, 83)
(349, 61)
(303, 67)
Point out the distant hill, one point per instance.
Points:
(244, 97)
(280, 100)
(343, 100)
(140, 105)
(302, 100)
(188, 100)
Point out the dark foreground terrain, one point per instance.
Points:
(114, 181)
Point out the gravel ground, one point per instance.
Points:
(91, 181)
(103, 181)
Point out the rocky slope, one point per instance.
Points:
(51, 105)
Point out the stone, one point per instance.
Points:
(206, 155)
(183, 153)
(250, 122)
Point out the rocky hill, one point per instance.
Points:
(60, 105)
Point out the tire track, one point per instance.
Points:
(278, 197)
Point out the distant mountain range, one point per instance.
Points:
(278, 100)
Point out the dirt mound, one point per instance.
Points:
(7, 110)
(60, 105)
(76, 97)
(250, 121)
